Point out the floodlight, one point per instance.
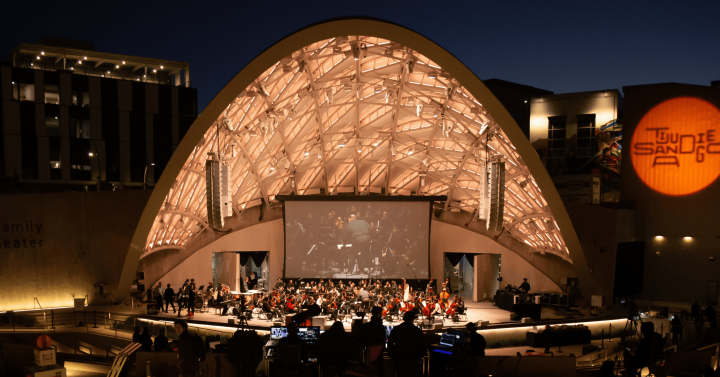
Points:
(432, 74)
(341, 143)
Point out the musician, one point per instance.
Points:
(364, 297)
(279, 285)
(357, 233)
(191, 297)
(290, 304)
(291, 286)
(269, 311)
(461, 305)
(444, 296)
(525, 286)
(330, 308)
(169, 296)
(435, 308)
(252, 282)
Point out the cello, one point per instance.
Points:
(452, 310)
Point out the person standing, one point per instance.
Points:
(364, 297)
(357, 233)
(525, 286)
(169, 296)
(191, 297)
(696, 312)
(711, 316)
(252, 282)
(187, 362)
(477, 342)
(677, 330)
(406, 346)
(158, 293)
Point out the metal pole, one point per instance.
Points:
(610, 333)
(95, 318)
(602, 339)
(52, 318)
(560, 339)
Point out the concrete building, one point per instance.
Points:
(73, 116)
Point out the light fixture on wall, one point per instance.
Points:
(687, 239)
(659, 238)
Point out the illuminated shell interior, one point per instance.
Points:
(356, 115)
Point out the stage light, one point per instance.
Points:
(117, 66)
(84, 57)
(307, 153)
(375, 144)
(356, 52)
(79, 61)
(432, 75)
(393, 149)
(91, 154)
(341, 143)
(154, 70)
(123, 62)
(38, 57)
(42, 52)
(411, 152)
(161, 67)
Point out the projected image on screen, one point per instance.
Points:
(356, 239)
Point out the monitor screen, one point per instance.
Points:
(342, 239)
(309, 334)
(459, 335)
(447, 340)
(278, 332)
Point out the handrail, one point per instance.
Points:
(717, 353)
(36, 300)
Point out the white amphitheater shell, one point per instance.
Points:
(355, 106)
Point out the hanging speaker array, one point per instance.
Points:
(492, 200)
(217, 183)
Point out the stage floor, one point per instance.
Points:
(476, 311)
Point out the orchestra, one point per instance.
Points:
(338, 301)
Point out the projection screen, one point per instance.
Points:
(357, 239)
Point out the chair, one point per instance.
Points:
(372, 362)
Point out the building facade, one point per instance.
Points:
(72, 117)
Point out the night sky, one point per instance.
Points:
(560, 46)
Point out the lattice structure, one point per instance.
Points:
(363, 115)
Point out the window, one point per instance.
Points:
(52, 94)
(557, 136)
(52, 126)
(55, 158)
(80, 128)
(23, 92)
(80, 98)
(586, 135)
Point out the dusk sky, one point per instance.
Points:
(560, 46)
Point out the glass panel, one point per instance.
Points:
(52, 94)
(81, 128)
(52, 126)
(27, 92)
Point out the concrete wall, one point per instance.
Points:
(682, 269)
(56, 246)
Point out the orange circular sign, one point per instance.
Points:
(675, 148)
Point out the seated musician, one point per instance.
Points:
(329, 308)
(461, 306)
(279, 285)
(290, 286)
(290, 304)
(268, 310)
(435, 308)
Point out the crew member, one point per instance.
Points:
(169, 298)
(525, 286)
(191, 297)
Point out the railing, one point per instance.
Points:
(38, 302)
(717, 353)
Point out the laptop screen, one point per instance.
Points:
(309, 334)
(447, 340)
(278, 333)
(459, 335)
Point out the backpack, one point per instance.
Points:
(198, 347)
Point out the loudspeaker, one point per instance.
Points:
(212, 192)
(231, 321)
(495, 195)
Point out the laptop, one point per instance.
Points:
(459, 336)
(276, 333)
(447, 341)
(309, 334)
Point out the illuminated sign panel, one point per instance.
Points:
(676, 146)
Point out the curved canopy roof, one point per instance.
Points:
(356, 114)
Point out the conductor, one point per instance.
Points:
(357, 233)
